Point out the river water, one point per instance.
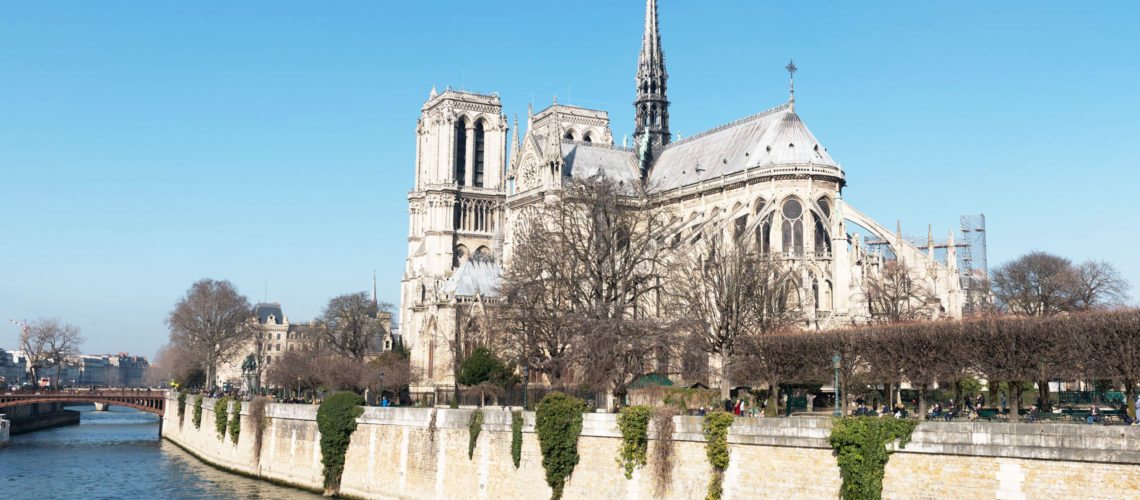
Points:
(117, 454)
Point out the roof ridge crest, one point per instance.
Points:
(733, 123)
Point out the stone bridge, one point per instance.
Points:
(143, 400)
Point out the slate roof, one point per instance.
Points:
(475, 277)
(263, 311)
(584, 160)
(774, 137)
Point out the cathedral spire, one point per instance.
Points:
(515, 140)
(651, 108)
(375, 299)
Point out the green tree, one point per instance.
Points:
(485, 372)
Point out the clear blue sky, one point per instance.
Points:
(145, 145)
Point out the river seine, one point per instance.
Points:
(117, 454)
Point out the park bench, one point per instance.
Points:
(988, 413)
(1079, 415)
(1107, 416)
(1049, 416)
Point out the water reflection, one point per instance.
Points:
(117, 454)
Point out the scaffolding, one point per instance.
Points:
(970, 251)
(973, 268)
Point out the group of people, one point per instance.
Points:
(970, 407)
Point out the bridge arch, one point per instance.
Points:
(150, 402)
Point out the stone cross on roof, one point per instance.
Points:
(791, 67)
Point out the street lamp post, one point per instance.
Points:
(835, 363)
(526, 379)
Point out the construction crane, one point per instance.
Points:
(23, 324)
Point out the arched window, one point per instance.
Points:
(478, 181)
(822, 240)
(587, 138)
(461, 151)
(460, 256)
(825, 206)
(793, 227)
(764, 235)
(815, 293)
(826, 302)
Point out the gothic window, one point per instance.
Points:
(479, 217)
(822, 241)
(569, 135)
(764, 235)
(826, 301)
(815, 293)
(793, 227)
(587, 138)
(825, 206)
(738, 229)
(460, 256)
(760, 205)
(479, 143)
(461, 151)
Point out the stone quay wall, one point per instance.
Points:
(5, 429)
(39, 416)
(422, 453)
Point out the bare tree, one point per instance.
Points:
(533, 318)
(211, 321)
(1097, 285)
(1109, 345)
(894, 294)
(394, 372)
(1041, 284)
(1012, 350)
(885, 356)
(174, 362)
(1035, 284)
(49, 340)
(933, 353)
(588, 272)
(729, 291)
(780, 358)
(297, 371)
(349, 324)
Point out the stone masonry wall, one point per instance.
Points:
(422, 453)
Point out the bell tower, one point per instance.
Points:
(652, 106)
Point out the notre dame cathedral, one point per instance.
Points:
(765, 174)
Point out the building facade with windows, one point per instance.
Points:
(765, 176)
(274, 335)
